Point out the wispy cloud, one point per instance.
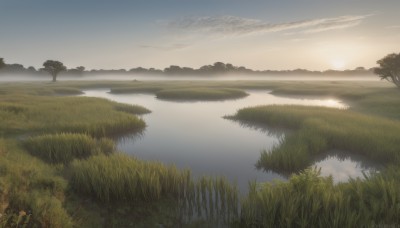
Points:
(238, 26)
(165, 48)
(393, 27)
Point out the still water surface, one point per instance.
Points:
(195, 135)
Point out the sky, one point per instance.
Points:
(257, 34)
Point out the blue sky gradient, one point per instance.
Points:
(312, 34)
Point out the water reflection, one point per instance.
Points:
(344, 165)
(266, 129)
(133, 137)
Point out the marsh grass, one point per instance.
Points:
(136, 89)
(64, 147)
(201, 94)
(31, 192)
(132, 109)
(67, 91)
(318, 129)
(308, 200)
(96, 117)
(120, 178)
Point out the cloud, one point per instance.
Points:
(238, 26)
(165, 48)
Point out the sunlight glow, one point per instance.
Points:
(338, 64)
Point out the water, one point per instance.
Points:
(342, 165)
(195, 135)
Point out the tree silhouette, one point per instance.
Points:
(389, 68)
(2, 63)
(54, 67)
(81, 68)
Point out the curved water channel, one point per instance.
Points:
(195, 135)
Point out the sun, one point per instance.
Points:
(338, 64)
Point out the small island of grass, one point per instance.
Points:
(201, 94)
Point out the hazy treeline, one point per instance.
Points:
(216, 68)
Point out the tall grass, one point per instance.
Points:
(318, 129)
(308, 200)
(118, 177)
(64, 147)
(31, 192)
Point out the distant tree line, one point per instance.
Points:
(214, 69)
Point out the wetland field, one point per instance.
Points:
(224, 153)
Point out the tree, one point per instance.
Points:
(2, 63)
(389, 68)
(54, 67)
(32, 69)
(80, 68)
(173, 69)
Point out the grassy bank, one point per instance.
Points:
(318, 129)
(97, 117)
(32, 193)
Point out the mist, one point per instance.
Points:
(158, 77)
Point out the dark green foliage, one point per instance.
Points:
(2, 63)
(389, 68)
(54, 68)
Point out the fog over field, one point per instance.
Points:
(157, 77)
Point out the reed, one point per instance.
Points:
(308, 200)
(64, 147)
(120, 178)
